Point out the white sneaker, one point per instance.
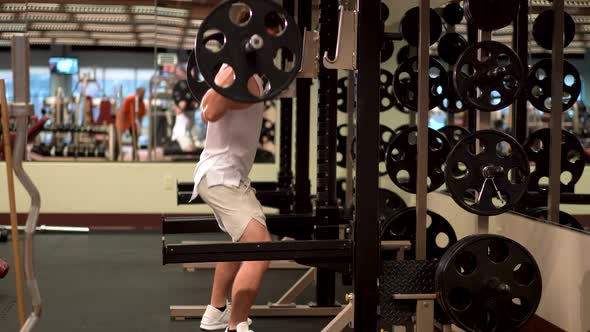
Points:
(242, 327)
(214, 319)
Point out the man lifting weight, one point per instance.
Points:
(221, 179)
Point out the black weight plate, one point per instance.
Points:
(402, 226)
(454, 133)
(572, 159)
(384, 12)
(342, 94)
(452, 13)
(400, 129)
(467, 182)
(385, 137)
(450, 47)
(387, 50)
(197, 86)
(565, 219)
(410, 30)
(499, 77)
(267, 131)
(490, 15)
(388, 100)
(539, 85)
(401, 161)
(405, 83)
(403, 54)
(389, 203)
(341, 145)
(341, 190)
(488, 283)
(543, 29)
(233, 52)
(181, 93)
(451, 103)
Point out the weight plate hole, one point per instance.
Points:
(214, 40)
(459, 105)
(569, 80)
(404, 77)
(436, 144)
(459, 299)
(284, 59)
(457, 135)
(222, 71)
(339, 157)
(437, 90)
(523, 274)
(566, 177)
(343, 130)
(386, 136)
(501, 201)
(516, 176)
(537, 145)
(413, 138)
(428, 182)
(537, 91)
(573, 156)
(266, 86)
(567, 97)
(240, 14)
(509, 82)
(397, 155)
(445, 103)
(275, 23)
(385, 102)
(503, 60)
(503, 149)
(468, 70)
(470, 197)
(495, 97)
(382, 167)
(403, 177)
(486, 322)
(465, 263)
(415, 66)
(384, 79)
(481, 147)
(547, 103)
(442, 240)
(498, 251)
(434, 72)
(543, 183)
(540, 74)
(428, 220)
(518, 309)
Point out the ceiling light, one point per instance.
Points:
(74, 41)
(13, 27)
(43, 7)
(42, 16)
(105, 9)
(107, 27)
(114, 36)
(102, 18)
(55, 26)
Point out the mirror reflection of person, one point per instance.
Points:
(129, 119)
(182, 132)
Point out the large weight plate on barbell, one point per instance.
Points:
(410, 30)
(492, 83)
(238, 21)
(543, 29)
(196, 84)
(401, 159)
(182, 96)
(572, 159)
(405, 83)
(490, 181)
(402, 226)
(490, 15)
(488, 283)
(454, 133)
(565, 219)
(539, 85)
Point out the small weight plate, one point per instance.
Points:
(389, 203)
(492, 83)
(454, 133)
(490, 15)
(255, 36)
(450, 47)
(572, 159)
(405, 83)
(402, 226)
(384, 12)
(401, 161)
(410, 30)
(543, 29)
(403, 54)
(182, 96)
(452, 13)
(490, 181)
(387, 50)
(565, 219)
(539, 85)
(488, 283)
(196, 84)
(451, 103)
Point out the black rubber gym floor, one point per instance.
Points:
(116, 282)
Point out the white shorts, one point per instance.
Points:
(233, 207)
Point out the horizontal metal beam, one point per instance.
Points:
(332, 251)
(180, 312)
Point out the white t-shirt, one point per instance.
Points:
(230, 147)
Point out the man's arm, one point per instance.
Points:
(214, 105)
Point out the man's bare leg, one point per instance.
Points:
(225, 273)
(249, 276)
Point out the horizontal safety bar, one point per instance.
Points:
(317, 250)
